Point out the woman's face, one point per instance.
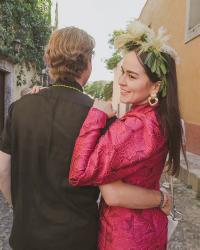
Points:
(135, 86)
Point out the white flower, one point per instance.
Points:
(161, 36)
(136, 29)
(146, 38)
(158, 40)
(170, 51)
(121, 40)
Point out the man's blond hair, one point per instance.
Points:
(68, 53)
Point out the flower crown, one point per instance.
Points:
(139, 34)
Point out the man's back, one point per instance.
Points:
(48, 212)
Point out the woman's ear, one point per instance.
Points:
(155, 88)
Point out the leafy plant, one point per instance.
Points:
(99, 89)
(29, 22)
(112, 62)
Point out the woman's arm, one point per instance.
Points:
(98, 160)
(130, 196)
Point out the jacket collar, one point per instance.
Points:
(67, 82)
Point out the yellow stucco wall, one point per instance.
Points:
(172, 15)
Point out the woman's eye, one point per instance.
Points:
(131, 76)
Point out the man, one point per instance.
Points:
(38, 142)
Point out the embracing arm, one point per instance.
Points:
(134, 197)
(5, 166)
(98, 160)
(129, 196)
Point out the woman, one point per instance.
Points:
(135, 147)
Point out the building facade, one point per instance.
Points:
(182, 21)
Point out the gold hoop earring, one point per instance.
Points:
(153, 100)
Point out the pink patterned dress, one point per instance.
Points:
(133, 150)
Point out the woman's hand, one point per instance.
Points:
(168, 205)
(36, 89)
(106, 107)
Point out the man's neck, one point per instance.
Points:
(80, 81)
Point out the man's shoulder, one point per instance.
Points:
(86, 99)
(29, 98)
(26, 104)
(68, 96)
(48, 97)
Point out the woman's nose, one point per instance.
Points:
(122, 80)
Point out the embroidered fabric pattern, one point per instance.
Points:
(134, 150)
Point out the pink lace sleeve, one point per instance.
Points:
(98, 160)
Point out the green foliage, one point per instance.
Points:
(158, 64)
(108, 91)
(95, 89)
(30, 22)
(115, 34)
(112, 62)
(21, 77)
(99, 89)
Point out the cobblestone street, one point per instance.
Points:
(186, 237)
(5, 224)
(187, 234)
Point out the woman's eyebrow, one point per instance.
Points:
(132, 72)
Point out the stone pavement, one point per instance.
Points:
(187, 234)
(5, 224)
(186, 237)
(191, 176)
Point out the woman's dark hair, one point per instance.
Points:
(169, 112)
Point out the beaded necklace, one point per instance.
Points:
(65, 86)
